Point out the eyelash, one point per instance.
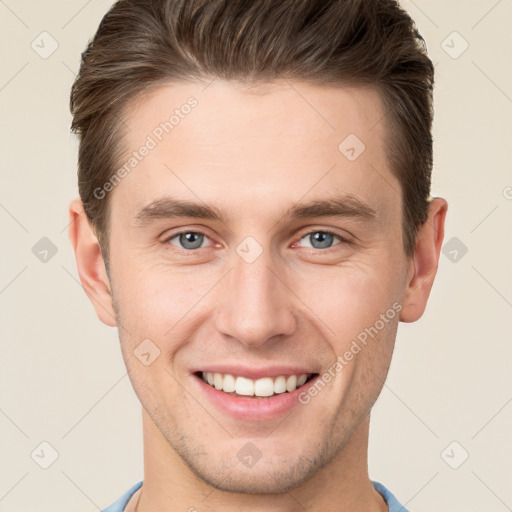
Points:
(325, 231)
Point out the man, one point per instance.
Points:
(256, 219)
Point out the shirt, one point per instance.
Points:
(393, 504)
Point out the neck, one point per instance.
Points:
(342, 486)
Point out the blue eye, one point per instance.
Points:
(320, 239)
(189, 240)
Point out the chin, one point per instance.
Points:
(257, 480)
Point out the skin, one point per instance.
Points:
(255, 154)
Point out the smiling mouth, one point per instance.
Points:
(265, 387)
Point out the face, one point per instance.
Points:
(290, 259)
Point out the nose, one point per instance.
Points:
(255, 304)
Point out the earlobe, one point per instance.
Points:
(90, 263)
(423, 266)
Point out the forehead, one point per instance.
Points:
(271, 144)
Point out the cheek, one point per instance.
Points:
(154, 300)
(341, 301)
(346, 300)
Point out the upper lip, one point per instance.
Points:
(255, 373)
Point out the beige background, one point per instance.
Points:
(63, 380)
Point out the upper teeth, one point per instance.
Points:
(266, 386)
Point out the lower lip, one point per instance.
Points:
(253, 409)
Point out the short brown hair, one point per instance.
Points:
(141, 44)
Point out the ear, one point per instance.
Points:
(423, 265)
(90, 264)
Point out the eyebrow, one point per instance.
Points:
(345, 205)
